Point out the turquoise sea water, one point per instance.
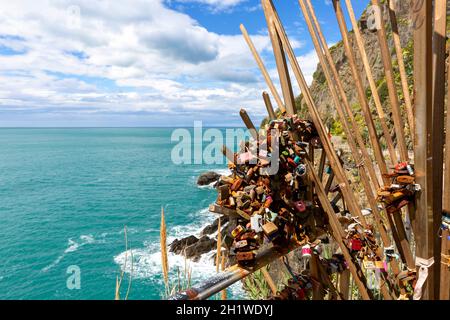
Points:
(65, 196)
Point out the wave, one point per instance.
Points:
(147, 261)
(72, 246)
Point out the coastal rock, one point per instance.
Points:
(178, 246)
(207, 178)
(203, 245)
(211, 228)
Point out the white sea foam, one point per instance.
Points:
(72, 246)
(147, 261)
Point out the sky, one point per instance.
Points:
(135, 63)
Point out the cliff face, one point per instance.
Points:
(319, 87)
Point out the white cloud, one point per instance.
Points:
(134, 56)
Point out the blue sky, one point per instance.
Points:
(142, 62)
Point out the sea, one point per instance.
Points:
(66, 197)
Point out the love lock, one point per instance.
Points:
(300, 170)
(405, 179)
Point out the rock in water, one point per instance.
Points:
(207, 178)
(204, 245)
(177, 246)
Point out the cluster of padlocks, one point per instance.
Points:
(402, 189)
(299, 287)
(274, 208)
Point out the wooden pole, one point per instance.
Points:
(318, 291)
(263, 69)
(349, 133)
(390, 81)
(373, 86)
(360, 89)
(269, 280)
(269, 107)
(337, 81)
(439, 56)
(344, 284)
(248, 123)
(283, 71)
(445, 245)
(330, 152)
(338, 234)
(423, 80)
(401, 67)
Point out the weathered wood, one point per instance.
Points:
(373, 136)
(439, 56)
(338, 234)
(372, 84)
(263, 69)
(318, 290)
(423, 80)
(269, 280)
(401, 67)
(445, 266)
(344, 284)
(392, 90)
(248, 123)
(222, 210)
(282, 68)
(327, 146)
(321, 164)
(269, 106)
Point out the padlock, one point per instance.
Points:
(401, 166)
(268, 201)
(236, 185)
(288, 177)
(256, 221)
(237, 231)
(405, 179)
(410, 169)
(306, 251)
(356, 244)
(245, 257)
(297, 159)
(300, 206)
(270, 229)
(231, 201)
(270, 215)
(241, 244)
(300, 170)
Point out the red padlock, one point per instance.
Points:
(355, 244)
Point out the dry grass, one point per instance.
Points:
(164, 259)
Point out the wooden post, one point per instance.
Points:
(283, 71)
(445, 244)
(439, 56)
(344, 284)
(338, 234)
(269, 107)
(342, 95)
(373, 86)
(322, 164)
(263, 69)
(423, 80)
(330, 152)
(318, 290)
(360, 90)
(401, 67)
(393, 98)
(269, 280)
(248, 123)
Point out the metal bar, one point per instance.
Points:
(263, 69)
(282, 68)
(393, 98)
(269, 106)
(401, 67)
(226, 278)
(373, 86)
(423, 80)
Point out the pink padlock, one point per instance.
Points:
(306, 251)
(300, 206)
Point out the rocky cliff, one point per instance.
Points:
(319, 87)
